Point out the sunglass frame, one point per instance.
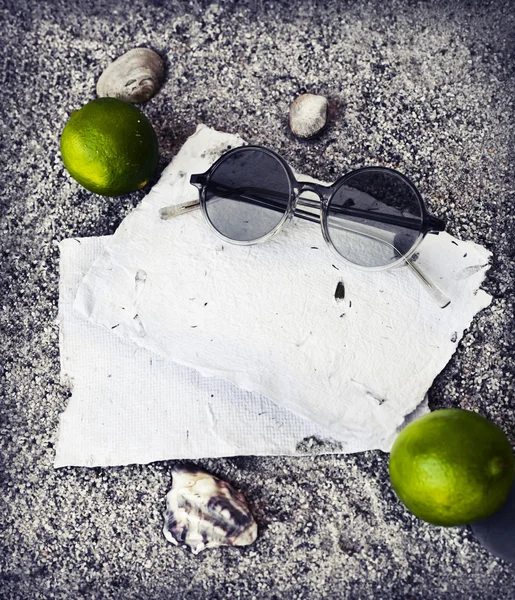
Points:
(325, 193)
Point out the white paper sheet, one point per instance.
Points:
(265, 318)
(128, 405)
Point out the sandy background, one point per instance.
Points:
(425, 86)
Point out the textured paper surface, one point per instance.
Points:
(265, 318)
(128, 405)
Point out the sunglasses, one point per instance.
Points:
(373, 218)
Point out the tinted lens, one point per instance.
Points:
(374, 218)
(247, 195)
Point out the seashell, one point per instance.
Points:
(308, 115)
(202, 511)
(135, 76)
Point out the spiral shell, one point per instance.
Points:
(202, 511)
(135, 76)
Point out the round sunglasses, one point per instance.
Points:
(373, 218)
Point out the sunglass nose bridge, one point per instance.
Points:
(309, 201)
(311, 194)
(312, 188)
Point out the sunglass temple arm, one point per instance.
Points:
(169, 212)
(434, 291)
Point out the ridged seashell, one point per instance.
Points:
(308, 115)
(135, 76)
(202, 511)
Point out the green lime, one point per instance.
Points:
(110, 147)
(452, 467)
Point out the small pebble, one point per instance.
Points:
(308, 115)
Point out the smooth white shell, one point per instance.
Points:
(308, 115)
(202, 511)
(135, 76)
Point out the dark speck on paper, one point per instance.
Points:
(455, 243)
(465, 255)
(140, 277)
(454, 337)
(115, 326)
(379, 399)
(339, 293)
(336, 267)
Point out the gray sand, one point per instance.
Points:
(428, 87)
